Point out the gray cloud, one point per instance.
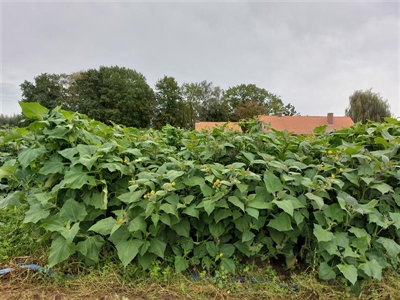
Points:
(315, 55)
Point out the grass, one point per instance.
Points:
(109, 280)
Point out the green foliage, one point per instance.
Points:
(16, 238)
(107, 94)
(115, 94)
(169, 108)
(209, 199)
(248, 110)
(240, 97)
(13, 120)
(50, 90)
(367, 106)
(204, 103)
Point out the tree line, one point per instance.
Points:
(122, 95)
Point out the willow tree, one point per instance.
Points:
(367, 105)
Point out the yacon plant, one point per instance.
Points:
(208, 198)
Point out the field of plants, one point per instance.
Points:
(207, 201)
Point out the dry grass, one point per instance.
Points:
(107, 284)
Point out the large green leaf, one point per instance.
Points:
(169, 209)
(360, 233)
(228, 265)
(272, 182)
(86, 150)
(28, 155)
(12, 199)
(33, 110)
(253, 212)
(395, 219)
(138, 223)
(372, 268)
(334, 212)
(392, 248)
(216, 229)
(181, 264)
(182, 228)
(8, 171)
(36, 213)
(352, 177)
(322, 235)
(114, 166)
(247, 236)
(318, 202)
(285, 205)
(212, 249)
(127, 250)
(75, 178)
(70, 233)
(73, 210)
(53, 165)
(91, 247)
(191, 211)
(69, 153)
(193, 181)
(209, 206)
(259, 203)
(382, 187)
(103, 226)
(131, 197)
(227, 249)
(60, 250)
(349, 272)
(221, 214)
(157, 246)
(206, 190)
(236, 201)
(326, 272)
(172, 175)
(281, 222)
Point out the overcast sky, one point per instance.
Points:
(314, 55)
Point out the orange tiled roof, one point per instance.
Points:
(305, 124)
(295, 124)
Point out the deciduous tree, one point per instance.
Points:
(204, 102)
(243, 93)
(367, 105)
(169, 105)
(50, 90)
(116, 94)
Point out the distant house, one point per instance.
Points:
(295, 124)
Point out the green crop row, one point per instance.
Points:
(208, 199)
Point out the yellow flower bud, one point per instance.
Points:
(221, 254)
(330, 151)
(120, 220)
(173, 183)
(341, 170)
(152, 192)
(333, 175)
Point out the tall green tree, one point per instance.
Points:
(241, 94)
(367, 105)
(116, 94)
(169, 104)
(50, 90)
(204, 102)
(248, 110)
